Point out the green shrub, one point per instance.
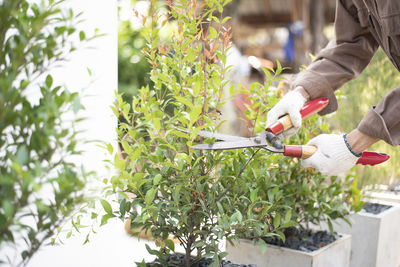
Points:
(177, 191)
(39, 186)
(198, 197)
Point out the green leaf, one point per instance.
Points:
(136, 153)
(106, 206)
(253, 194)
(141, 264)
(177, 192)
(49, 81)
(180, 134)
(289, 224)
(69, 234)
(126, 147)
(170, 244)
(278, 68)
(226, 19)
(150, 195)
(8, 208)
(110, 148)
(237, 217)
(215, 262)
(271, 195)
(157, 179)
(122, 207)
(281, 235)
(277, 220)
(82, 35)
(330, 226)
(76, 105)
(105, 219)
(195, 113)
(288, 216)
(157, 124)
(138, 176)
(213, 32)
(119, 163)
(22, 155)
(262, 245)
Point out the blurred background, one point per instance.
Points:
(263, 32)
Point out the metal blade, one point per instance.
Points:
(235, 145)
(222, 137)
(218, 136)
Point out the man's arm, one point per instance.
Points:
(360, 141)
(343, 59)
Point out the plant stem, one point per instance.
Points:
(188, 250)
(240, 173)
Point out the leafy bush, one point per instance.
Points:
(39, 186)
(357, 97)
(197, 197)
(178, 191)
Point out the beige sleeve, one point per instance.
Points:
(342, 60)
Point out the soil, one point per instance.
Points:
(177, 260)
(307, 241)
(375, 208)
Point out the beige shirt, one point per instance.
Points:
(361, 26)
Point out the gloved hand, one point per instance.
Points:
(332, 157)
(290, 104)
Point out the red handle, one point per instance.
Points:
(367, 157)
(372, 158)
(306, 111)
(313, 107)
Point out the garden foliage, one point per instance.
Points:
(39, 186)
(174, 192)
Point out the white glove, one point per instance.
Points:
(290, 104)
(332, 156)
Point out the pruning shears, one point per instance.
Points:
(268, 139)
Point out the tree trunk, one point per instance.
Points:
(188, 250)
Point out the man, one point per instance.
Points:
(361, 26)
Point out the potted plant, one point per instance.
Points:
(307, 197)
(164, 186)
(375, 234)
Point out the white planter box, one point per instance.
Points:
(375, 238)
(336, 254)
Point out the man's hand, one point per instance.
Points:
(332, 157)
(290, 104)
